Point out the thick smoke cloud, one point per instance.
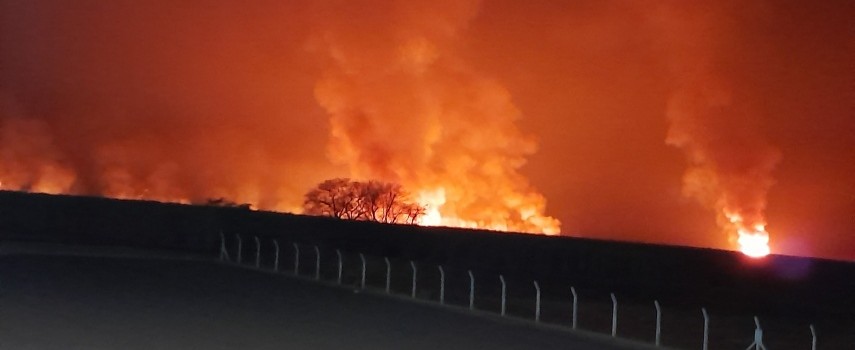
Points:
(30, 159)
(257, 102)
(160, 100)
(730, 160)
(406, 108)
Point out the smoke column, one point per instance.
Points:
(28, 155)
(730, 162)
(405, 107)
(190, 102)
(258, 102)
(159, 100)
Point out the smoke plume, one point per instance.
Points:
(257, 102)
(158, 100)
(730, 162)
(185, 103)
(29, 158)
(405, 107)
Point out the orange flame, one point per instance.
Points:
(753, 240)
(405, 107)
(530, 219)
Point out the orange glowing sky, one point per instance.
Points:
(222, 99)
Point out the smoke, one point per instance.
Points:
(29, 158)
(257, 102)
(730, 161)
(405, 107)
(159, 100)
(185, 103)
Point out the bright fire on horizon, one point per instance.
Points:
(754, 244)
(753, 240)
(574, 118)
(434, 200)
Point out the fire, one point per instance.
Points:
(730, 161)
(753, 239)
(405, 103)
(432, 201)
(754, 244)
(406, 107)
(530, 220)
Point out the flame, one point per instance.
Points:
(532, 220)
(729, 165)
(432, 201)
(730, 160)
(754, 244)
(405, 107)
(753, 240)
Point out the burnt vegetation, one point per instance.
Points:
(223, 202)
(376, 201)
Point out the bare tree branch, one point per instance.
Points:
(370, 201)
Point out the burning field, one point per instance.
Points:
(677, 123)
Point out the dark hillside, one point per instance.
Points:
(790, 286)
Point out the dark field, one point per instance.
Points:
(731, 320)
(85, 302)
(786, 293)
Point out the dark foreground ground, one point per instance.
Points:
(788, 294)
(135, 302)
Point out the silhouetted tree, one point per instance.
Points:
(354, 200)
(414, 212)
(337, 198)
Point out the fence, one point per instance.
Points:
(466, 289)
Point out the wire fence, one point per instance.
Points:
(674, 326)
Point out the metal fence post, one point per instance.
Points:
(706, 328)
(658, 322)
(813, 336)
(317, 264)
(239, 249)
(224, 251)
(614, 314)
(257, 252)
(276, 256)
(441, 285)
(575, 305)
(504, 293)
(388, 275)
(362, 283)
(471, 290)
(537, 303)
(415, 271)
(296, 259)
(758, 337)
(340, 265)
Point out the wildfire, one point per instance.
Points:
(408, 108)
(528, 219)
(754, 244)
(730, 161)
(432, 201)
(753, 240)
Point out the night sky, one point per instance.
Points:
(600, 108)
